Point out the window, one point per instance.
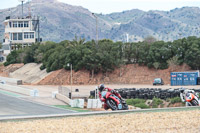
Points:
(20, 24)
(14, 24)
(17, 36)
(26, 24)
(20, 36)
(29, 35)
(14, 36)
(10, 24)
(11, 36)
(26, 35)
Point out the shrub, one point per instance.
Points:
(168, 100)
(42, 67)
(91, 97)
(175, 100)
(134, 101)
(156, 102)
(142, 105)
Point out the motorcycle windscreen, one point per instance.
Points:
(189, 97)
(103, 93)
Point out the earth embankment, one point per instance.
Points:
(127, 74)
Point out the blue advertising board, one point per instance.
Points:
(193, 78)
(179, 79)
(173, 79)
(184, 78)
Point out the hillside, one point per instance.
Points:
(128, 74)
(60, 21)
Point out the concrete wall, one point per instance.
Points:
(20, 90)
(62, 98)
(11, 80)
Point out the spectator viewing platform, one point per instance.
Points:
(19, 33)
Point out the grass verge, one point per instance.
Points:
(70, 108)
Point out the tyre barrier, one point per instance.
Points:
(147, 93)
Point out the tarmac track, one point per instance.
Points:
(13, 106)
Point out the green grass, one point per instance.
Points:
(70, 108)
(10, 93)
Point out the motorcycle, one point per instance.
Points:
(114, 102)
(192, 100)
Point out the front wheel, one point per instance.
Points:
(112, 104)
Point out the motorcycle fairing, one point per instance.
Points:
(189, 97)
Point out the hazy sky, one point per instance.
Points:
(109, 6)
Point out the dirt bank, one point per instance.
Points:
(5, 71)
(128, 74)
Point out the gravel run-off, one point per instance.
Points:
(151, 122)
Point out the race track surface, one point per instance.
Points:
(12, 106)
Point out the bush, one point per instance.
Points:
(156, 102)
(175, 100)
(42, 67)
(142, 105)
(135, 101)
(91, 97)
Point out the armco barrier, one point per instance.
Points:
(11, 80)
(20, 90)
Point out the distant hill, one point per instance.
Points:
(60, 21)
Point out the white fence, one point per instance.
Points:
(77, 103)
(94, 103)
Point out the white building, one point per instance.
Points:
(19, 33)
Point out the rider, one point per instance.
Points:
(183, 93)
(101, 88)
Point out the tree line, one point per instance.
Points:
(108, 55)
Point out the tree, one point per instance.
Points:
(156, 65)
(149, 40)
(173, 62)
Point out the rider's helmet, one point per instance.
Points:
(182, 89)
(101, 87)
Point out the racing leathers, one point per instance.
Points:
(104, 100)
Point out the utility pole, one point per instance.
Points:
(22, 6)
(69, 64)
(96, 29)
(38, 21)
(127, 38)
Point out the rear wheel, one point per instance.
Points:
(112, 104)
(125, 106)
(195, 102)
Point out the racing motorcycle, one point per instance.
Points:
(192, 99)
(114, 102)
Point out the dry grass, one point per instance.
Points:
(170, 122)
